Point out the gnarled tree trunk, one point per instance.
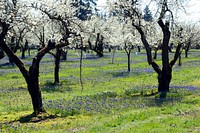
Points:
(164, 79)
(164, 75)
(36, 96)
(32, 75)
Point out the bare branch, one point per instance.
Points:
(177, 54)
(146, 44)
(156, 67)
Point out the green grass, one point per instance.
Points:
(112, 99)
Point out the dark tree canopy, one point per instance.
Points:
(84, 8)
(147, 14)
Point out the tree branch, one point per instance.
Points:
(165, 43)
(177, 54)
(145, 43)
(10, 53)
(156, 67)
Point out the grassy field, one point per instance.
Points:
(112, 101)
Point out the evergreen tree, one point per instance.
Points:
(85, 8)
(147, 14)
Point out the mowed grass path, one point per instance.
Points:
(112, 99)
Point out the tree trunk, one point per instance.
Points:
(32, 75)
(128, 53)
(164, 75)
(33, 85)
(98, 48)
(2, 55)
(186, 53)
(99, 53)
(113, 56)
(129, 60)
(64, 55)
(179, 61)
(155, 55)
(10, 60)
(99, 45)
(109, 49)
(187, 47)
(23, 53)
(57, 65)
(36, 96)
(29, 51)
(164, 79)
(138, 48)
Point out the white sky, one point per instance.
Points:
(101, 2)
(192, 7)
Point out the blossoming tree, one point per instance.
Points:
(9, 17)
(130, 10)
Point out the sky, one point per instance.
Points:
(101, 2)
(192, 8)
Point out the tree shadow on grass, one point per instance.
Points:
(99, 103)
(51, 87)
(120, 74)
(7, 65)
(32, 118)
(166, 98)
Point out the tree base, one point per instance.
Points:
(163, 95)
(40, 111)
